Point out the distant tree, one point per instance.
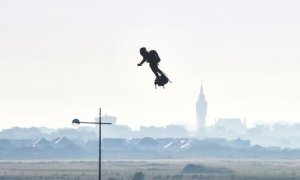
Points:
(197, 177)
(177, 177)
(111, 178)
(138, 176)
(193, 168)
(198, 168)
(158, 177)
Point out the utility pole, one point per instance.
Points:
(77, 122)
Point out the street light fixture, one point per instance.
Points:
(77, 122)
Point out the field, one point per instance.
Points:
(152, 169)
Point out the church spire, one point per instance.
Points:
(201, 94)
(201, 88)
(201, 109)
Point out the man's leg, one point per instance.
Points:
(155, 69)
(159, 71)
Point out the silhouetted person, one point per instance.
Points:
(153, 59)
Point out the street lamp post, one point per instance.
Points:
(77, 122)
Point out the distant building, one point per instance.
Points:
(114, 143)
(233, 126)
(201, 108)
(64, 143)
(231, 123)
(175, 131)
(5, 144)
(42, 144)
(107, 119)
(147, 143)
(239, 144)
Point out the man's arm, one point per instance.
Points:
(142, 62)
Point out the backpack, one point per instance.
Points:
(154, 56)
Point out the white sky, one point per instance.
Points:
(63, 59)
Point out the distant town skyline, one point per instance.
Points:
(61, 60)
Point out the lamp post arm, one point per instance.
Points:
(93, 123)
(88, 122)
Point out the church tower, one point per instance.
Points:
(201, 108)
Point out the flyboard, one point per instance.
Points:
(162, 80)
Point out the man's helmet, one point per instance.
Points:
(143, 50)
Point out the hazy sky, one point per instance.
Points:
(63, 59)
